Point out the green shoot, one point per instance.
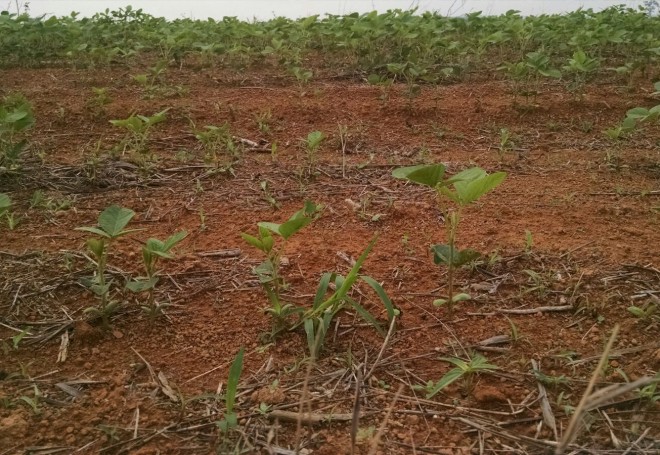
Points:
(230, 419)
(15, 119)
(462, 189)
(268, 271)
(137, 131)
(462, 370)
(111, 224)
(152, 251)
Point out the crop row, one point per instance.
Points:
(400, 44)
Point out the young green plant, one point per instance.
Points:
(137, 131)
(465, 370)
(312, 144)
(462, 189)
(317, 320)
(268, 272)
(230, 419)
(152, 251)
(5, 205)
(110, 227)
(15, 119)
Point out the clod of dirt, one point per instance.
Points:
(269, 395)
(14, 426)
(84, 333)
(488, 394)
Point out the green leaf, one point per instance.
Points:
(389, 306)
(255, 242)
(637, 312)
(5, 203)
(449, 377)
(96, 246)
(445, 254)
(93, 230)
(429, 175)
(114, 219)
(470, 174)
(460, 298)
(364, 313)
(290, 227)
(142, 285)
(470, 191)
(440, 302)
(322, 289)
(174, 239)
(232, 382)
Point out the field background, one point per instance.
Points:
(569, 240)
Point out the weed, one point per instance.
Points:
(152, 251)
(5, 205)
(646, 312)
(311, 144)
(537, 283)
(465, 370)
(317, 320)
(202, 219)
(468, 187)
(99, 99)
(217, 140)
(137, 129)
(33, 401)
(505, 143)
(110, 226)
(384, 83)
(529, 242)
(263, 120)
(550, 381)
(302, 76)
(41, 201)
(580, 67)
(16, 339)
(268, 195)
(230, 419)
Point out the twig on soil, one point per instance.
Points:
(571, 430)
(576, 248)
(230, 253)
(355, 421)
(546, 410)
(541, 309)
(309, 418)
(376, 440)
(382, 349)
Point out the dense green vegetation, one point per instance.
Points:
(398, 44)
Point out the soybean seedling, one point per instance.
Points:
(152, 252)
(110, 227)
(268, 272)
(462, 190)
